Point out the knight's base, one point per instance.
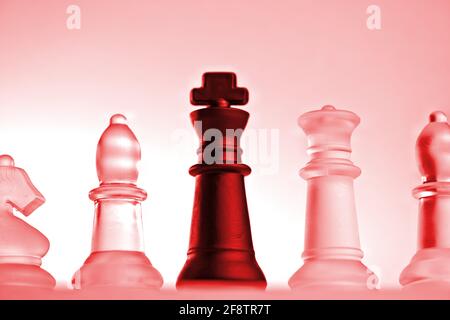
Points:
(24, 275)
(224, 269)
(333, 274)
(428, 268)
(117, 269)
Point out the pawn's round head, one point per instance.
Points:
(118, 153)
(433, 149)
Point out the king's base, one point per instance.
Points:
(117, 269)
(222, 270)
(429, 268)
(333, 274)
(24, 275)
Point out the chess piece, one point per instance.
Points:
(221, 251)
(431, 264)
(22, 247)
(117, 256)
(332, 254)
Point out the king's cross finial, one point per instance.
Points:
(219, 89)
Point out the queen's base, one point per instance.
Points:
(333, 274)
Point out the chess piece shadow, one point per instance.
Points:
(429, 269)
(117, 258)
(22, 247)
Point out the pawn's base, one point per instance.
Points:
(428, 267)
(221, 269)
(333, 274)
(128, 269)
(25, 275)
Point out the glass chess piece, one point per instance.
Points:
(332, 254)
(117, 256)
(22, 247)
(429, 269)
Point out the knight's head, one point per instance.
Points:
(16, 188)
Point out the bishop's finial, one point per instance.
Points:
(433, 149)
(118, 153)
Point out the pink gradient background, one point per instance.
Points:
(58, 89)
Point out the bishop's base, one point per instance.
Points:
(24, 275)
(222, 269)
(117, 269)
(429, 268)
(333, 274)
